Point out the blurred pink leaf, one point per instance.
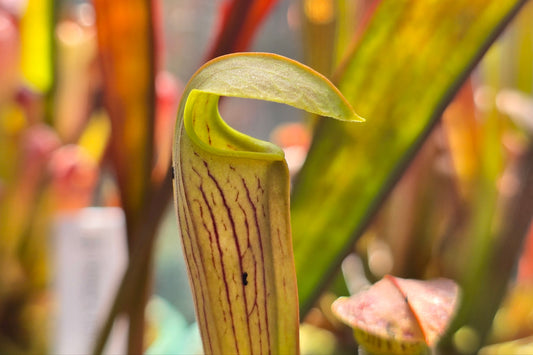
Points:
(399, 311)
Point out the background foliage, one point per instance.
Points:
(437, 182)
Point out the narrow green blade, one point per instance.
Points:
(405, 68)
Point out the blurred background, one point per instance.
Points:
(63, 238)
(88, 99)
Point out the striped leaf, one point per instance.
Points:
(232, 201)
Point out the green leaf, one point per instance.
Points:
(270, 77)
(232, 200)
(403, 71)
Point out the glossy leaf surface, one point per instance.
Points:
(232, 200)
(403, 71)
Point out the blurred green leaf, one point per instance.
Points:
(520, 346)
(519, 51)
(403, 71)
(319, 26)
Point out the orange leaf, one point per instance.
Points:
(239, 20)
(126, 52)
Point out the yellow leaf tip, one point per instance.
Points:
(357, 118)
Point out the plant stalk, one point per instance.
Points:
(133, 276)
